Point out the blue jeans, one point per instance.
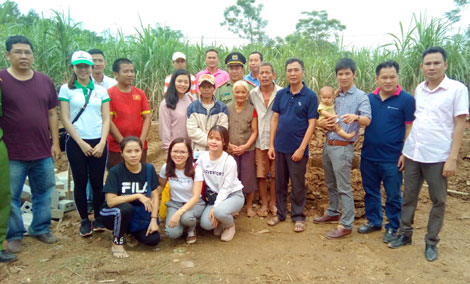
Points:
(42, 181)
(373, 174)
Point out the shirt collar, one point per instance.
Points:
(397, 92)
(445, 84)
(86, 89)
(209, 72)
(301, 92)
(350, 91)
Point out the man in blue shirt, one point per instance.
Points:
(255, 59)
(292, 127)
(381, 160)
(353, 110)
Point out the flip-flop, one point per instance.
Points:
(263, 212)
(299, 226)
(274, 221)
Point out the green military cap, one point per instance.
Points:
(235, 58)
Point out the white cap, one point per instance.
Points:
(81, 57)
(177, 55)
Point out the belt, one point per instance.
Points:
(339, 143)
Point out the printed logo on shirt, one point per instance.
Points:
(136, 97)
(394, 108)
(133, 187)
(181, 180)
(216, 173)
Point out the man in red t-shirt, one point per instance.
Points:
(130, 111)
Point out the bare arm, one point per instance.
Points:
(450, 165)
(272, 135)
(408, 127)
(99, 148)
(113, 199)
(240, 150)
(401, 160)
(115, 133)
(299, 153)
(350, 118)
(326, 114)
(147, 120)
(54, 129)
(328, 123)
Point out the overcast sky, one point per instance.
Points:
(367, 21)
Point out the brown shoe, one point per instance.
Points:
(338, 233)
(326, 219)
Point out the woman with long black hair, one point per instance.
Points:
(173, 114)
(86, 144)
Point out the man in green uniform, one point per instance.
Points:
(235, 62)
(4, 195)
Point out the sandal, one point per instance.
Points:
(299, 226)
(250, 213)
(274, 221)
(273, 210)
(263, 211)
(118, 253)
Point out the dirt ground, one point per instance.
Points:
(259, 253)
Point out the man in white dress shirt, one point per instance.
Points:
(431, 150)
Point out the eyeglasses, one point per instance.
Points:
(181, 153)
(20, 52)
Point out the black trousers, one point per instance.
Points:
(84, 168)
(285, 169)
(118, 219)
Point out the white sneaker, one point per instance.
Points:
(218, 230)
(228, 233)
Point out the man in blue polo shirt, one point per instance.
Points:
(292, 127)
(393, 112)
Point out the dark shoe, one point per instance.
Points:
(389, 235)
(86, 228)
(431, 252)
(47, 238)
(326, 219)
(14, 246)
(6, 256)
(98, 226)
(368, 228)
(338, 233)
(400, 240)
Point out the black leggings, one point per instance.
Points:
(118, 219)
(84, 168)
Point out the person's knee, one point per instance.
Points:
(221, 213)
(173, 233)
(188, 220)
(152, 239)
(206, 224)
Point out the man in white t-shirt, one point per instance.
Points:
(99, 65)
(431, 150)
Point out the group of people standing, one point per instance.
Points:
(226, 136)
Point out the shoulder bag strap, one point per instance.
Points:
(149, 180)
(83, 107)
